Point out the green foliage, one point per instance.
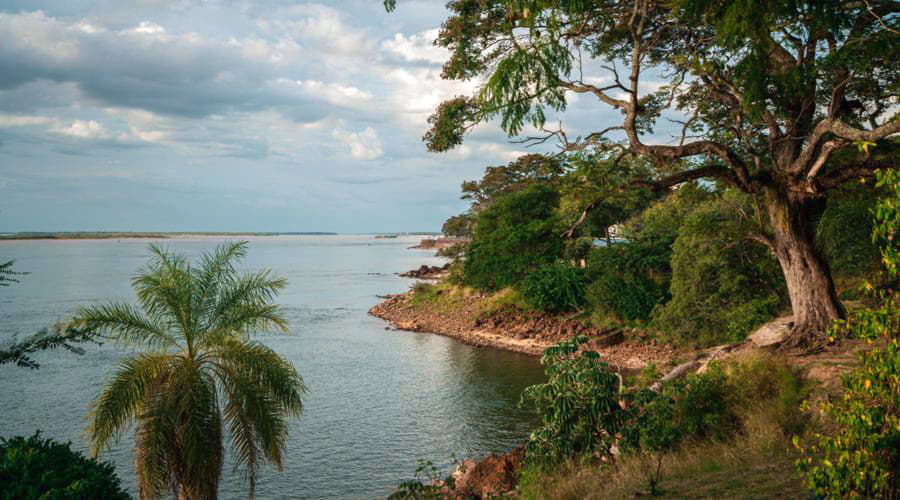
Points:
(513, 237)
(427, 484)
(629, 279)
(578, 248)
(578, 405)
(201, 377)
(33, 468)
(458, 226)
(7, 273)
(623, 284)
(862, 457)
(723, 285)
(598, 190)
(516, 175)
(586, 412)
(556, 287)
(844, 231)
(449, 124)
(67, 337)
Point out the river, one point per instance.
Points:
(378, 400)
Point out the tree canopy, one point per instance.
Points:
(783, 100)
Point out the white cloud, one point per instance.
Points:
(499, 152)
(335, 93)
(364, 145)
(83, 129)
(418, 47)
(23, 120)
(148, 28)
(320, 26)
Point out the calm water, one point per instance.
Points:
(378, 401)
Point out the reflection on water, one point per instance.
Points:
(379, 400)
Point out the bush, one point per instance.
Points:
(861, 458)
(557, 287)
(42, 468)
(586, 413)
(578, 406)
(513, 237)
(722, 284)
(843, 233)
(627, 281)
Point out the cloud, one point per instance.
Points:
(364, 145)
(418, 47)
(83, 129)
(23, 120)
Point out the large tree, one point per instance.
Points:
(783, 99)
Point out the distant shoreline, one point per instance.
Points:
(103, 235)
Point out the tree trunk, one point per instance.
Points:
(810, 287)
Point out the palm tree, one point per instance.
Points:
(201, 376)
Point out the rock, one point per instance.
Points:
(611, 338)
(773, 332)
(491, 477)
(427, 272)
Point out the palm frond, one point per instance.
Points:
(261, 389)
(121, 400)
(256, 424)
(265, 370)
(164, 288)
(153, 458)
(123, 323)
(247, 293)
(199, 431)
(216, 268)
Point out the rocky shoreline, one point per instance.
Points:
(521, 332)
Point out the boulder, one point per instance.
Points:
(772, 333)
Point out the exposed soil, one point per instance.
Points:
(526, 333)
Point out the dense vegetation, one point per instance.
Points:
(862, 457)
(683, 265)
(784, 102)
(34, 467)
(513, 237)
(589, 411)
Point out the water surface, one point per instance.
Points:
(379, 400)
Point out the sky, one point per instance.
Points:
(230, 115)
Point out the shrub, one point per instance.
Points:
(42, 468)
(626, 281)
(843, 233)
(722, 284)
(861, 458)
(578, 406)
(513, 237)
(555, 287)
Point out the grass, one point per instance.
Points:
(507, 298)
(441, 296)
(757, 461)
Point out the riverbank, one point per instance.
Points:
(474, 319)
